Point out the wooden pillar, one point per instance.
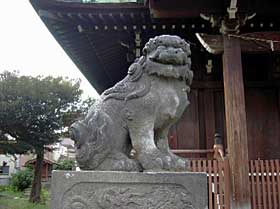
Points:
(236, 127)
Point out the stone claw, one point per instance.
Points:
(156, 160)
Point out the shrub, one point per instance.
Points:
(22, 179)
(65, 165)
(8, 191)
(45, 196)
(4, 188)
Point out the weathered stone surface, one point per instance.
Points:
(136, 114)
(128, 190)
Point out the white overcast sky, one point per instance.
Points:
(27, 46)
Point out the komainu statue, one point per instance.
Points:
(127, 128)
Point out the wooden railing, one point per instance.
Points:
(195, 153)
(265, 184)
(264, 178)
(218, 181)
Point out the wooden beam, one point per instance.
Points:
(192, 151)
(236, 124)
(253, 44)
(279, 99)
(183, 8)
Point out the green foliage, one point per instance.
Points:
(16, 199)
(32, 110)
(5, 188)
(19, 203)
(22, 180)
(65, 165)
(45, 196)
(9, 191)
(32, 113)
(78, 111)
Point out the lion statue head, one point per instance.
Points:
(164, 56)
(168, 56)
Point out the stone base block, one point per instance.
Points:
(128, 190)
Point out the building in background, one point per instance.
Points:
(46, 170)
(10, 164)
(64, 149)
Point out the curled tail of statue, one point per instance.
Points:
(91, 140)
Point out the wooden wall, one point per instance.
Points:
(263, 123)
(206, 116)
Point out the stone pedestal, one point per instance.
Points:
(128, 190)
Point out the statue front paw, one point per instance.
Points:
(179, 163)
(155, 160)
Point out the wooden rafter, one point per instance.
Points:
(258, 42)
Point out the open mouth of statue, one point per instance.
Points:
(170, 64)
(180, 72)
(82, 153)
(170, 60)
(171, 56)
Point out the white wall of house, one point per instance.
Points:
(58, 151)
(13, 163)
(63, 149)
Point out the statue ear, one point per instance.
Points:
(145, 51)
(135, 72)
(189, 77)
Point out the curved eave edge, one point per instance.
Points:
(96, 82)
(58, 5)
(88, 73)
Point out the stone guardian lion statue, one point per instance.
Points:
(135, 115)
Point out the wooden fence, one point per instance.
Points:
(218, 181)
(264, 182)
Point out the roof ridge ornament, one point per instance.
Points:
(227, 24)
(232, 9)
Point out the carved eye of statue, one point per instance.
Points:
(161, 48)
(145, 51)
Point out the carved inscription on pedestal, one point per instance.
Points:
(126, 196)
(128, 190)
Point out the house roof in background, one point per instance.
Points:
(33, 161)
